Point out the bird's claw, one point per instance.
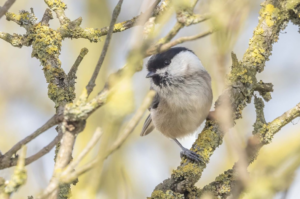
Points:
(190, 155)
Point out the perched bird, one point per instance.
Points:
(183, 95)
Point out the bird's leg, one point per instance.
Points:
(188, 153)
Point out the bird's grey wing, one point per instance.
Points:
(148, 125)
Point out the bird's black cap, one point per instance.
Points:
(163, 59)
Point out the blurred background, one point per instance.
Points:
(144, 162)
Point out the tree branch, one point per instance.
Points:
(91, 84)
(72, 73)
(5, 159)
(38, 155)
(84, 152)
(47, 17)
(15, 39)
(166, 46)
(24, 19)
(59, 8)
(73, 30)
(6, 7)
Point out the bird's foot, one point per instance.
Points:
(190, 155)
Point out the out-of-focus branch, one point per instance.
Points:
(58, 173)
(5, 160)
(84, 152)
(18, 179)
(91, 84)
(187, 19)
(184, 18)
(177, 27)
(118, 143)
(6, 7)
(180, 40)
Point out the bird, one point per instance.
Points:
(183, 96)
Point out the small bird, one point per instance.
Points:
(183, 95)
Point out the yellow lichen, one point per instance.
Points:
(56, 4)
(119, 27)
(257, 54)
(271, 14)
(291, 4)
(259, 31)
(186, 171)
(46, 44)
(158, 194)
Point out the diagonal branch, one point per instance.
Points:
(84, 152)
(5, 159)
(6, 7)
(72, 73)
(166, 46)
(38, 155)
(91, 84)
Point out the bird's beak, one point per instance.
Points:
(151, 74)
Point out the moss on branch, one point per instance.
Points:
(15, 39)
(46, 46)
(73, 30)
(24, 19)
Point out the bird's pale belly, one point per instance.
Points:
(179, 123)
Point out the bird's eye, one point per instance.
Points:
(167, 62)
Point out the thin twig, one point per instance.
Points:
(44, 150)
(72, 73)
(177, 27)
(164, 47)
(118, 143)
(39, 154)
(91, 84)
(6, 7)
(50, 123)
